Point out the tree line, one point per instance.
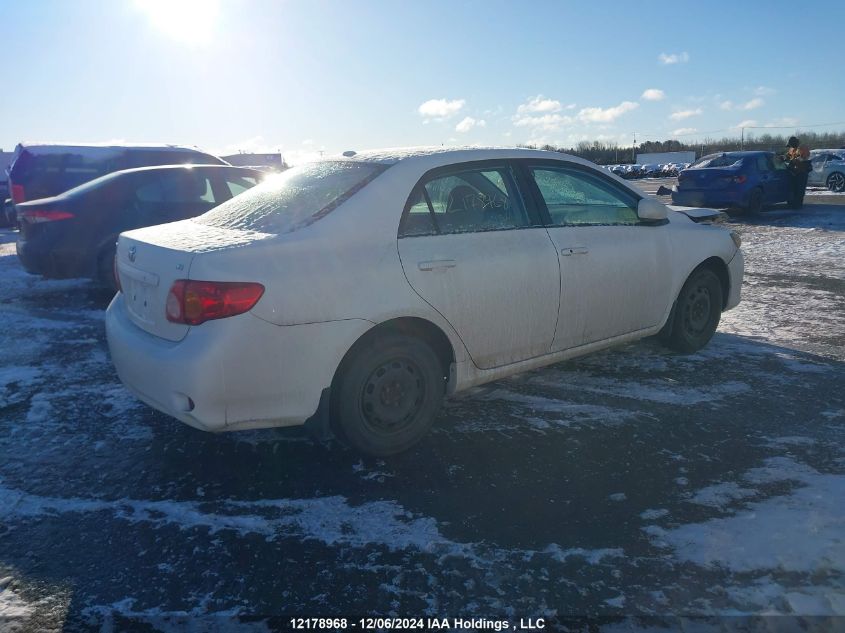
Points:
(604, 153)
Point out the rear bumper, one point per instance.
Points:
(736, 272)
(699, 198)
(235, 373)
(40, 257)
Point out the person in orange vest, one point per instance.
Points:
(796, 158)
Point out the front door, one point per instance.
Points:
(614, 273)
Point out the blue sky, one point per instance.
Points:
(317, 75)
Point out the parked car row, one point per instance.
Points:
(652, 170)
(71, 201)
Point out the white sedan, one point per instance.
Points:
(359, 291)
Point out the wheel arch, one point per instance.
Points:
(720, 269)
(417, 327)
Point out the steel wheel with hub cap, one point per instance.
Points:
(696, 313)
(387, 394)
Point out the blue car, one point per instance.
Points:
(746, 180)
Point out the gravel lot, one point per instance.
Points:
(632, 482)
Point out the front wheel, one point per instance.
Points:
(388, 394)
(696, 313)
(836, 182)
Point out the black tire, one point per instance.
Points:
(105, 267)
(755, 201)
(387, 394)
(836, 182)
(696, 313)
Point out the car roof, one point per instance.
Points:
(430, 157)
(99, 150)
(192, 166)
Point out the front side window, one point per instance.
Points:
(465, 201)
(574, 197)
(293, 199)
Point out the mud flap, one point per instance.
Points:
(319, 425)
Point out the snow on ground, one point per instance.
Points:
(630, 481)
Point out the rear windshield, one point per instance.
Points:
(716, 160)
(293, 199)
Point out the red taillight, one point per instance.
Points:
(194, 302)
(739, 179)
(18, 195)
(36, 216)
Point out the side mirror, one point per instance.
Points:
(651, 209)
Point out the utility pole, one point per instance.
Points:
(742, 139)
(634, 150)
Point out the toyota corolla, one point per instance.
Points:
(360, 291)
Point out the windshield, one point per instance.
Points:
(293, 199)
(717, 160)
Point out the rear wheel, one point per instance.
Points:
(696, 314)
(755, 201)
(836, 182)
(387, 394)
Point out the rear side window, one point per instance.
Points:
(716, 160)
(465, 201)
(295, 198)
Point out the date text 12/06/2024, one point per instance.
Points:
(419, 624)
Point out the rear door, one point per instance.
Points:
(168, 195)
(470, 249)
(614, 273)
(775, 181)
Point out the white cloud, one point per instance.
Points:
(685, 114)
(468, 123)
(538, 104)
(550, 122)
(673, 58)
(654, 94)
(746, 123)
(755, 103)
(787, 121)
(682, 131)
(440, 109)
(764, 91)
(571, 106)
(606, 115)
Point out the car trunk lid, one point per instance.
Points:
(149, 260)
(707, 178)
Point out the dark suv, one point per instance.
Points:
(74, 234)
(42, 170)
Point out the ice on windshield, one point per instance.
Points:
(293, 199)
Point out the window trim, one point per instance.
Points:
(507, 164)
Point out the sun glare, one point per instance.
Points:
(188, 21)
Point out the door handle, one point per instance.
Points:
(574, 250)
(438, 264)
